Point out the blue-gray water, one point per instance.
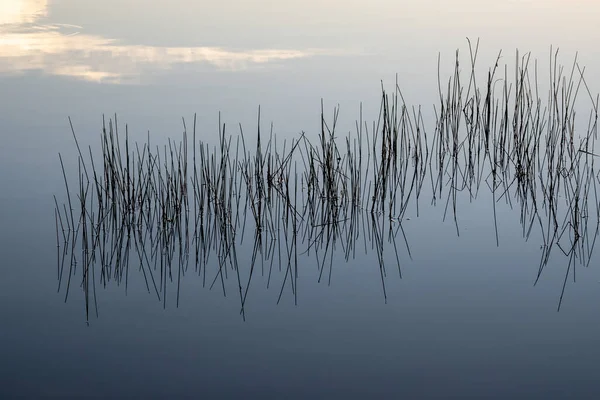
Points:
(465, 321)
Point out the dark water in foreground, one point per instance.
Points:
(458, 325)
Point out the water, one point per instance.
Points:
(465, 319)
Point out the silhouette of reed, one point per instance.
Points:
(142, 206)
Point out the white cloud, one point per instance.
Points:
(61, 49)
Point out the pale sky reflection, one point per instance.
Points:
(61, 49)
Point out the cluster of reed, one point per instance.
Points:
(144, 206)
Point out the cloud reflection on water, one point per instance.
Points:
(62, 49)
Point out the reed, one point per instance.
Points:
(144, 207)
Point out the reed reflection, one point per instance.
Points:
(165, 211)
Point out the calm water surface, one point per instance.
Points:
(465, 320)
